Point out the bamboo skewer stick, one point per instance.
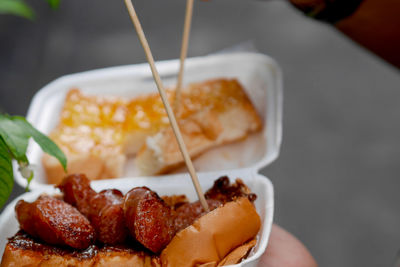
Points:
(184, 48)
(174, 124)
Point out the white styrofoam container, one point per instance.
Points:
(262, 80)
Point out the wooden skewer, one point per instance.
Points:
(184, 48)
(174, 124)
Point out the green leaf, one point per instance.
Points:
(16, 7)
(15, 132)
(6, 173)
(54, 4)
(43, 141)
(15, 137)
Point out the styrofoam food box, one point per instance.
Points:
(262, 80)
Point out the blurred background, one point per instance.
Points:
(337, 177)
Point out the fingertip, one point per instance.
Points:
(284, 249)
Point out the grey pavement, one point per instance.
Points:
(337, 179)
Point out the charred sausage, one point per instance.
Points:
(77, 192)
(148, 218)
(55, 222)
(107, 216)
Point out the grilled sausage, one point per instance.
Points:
(148, 218)
(77, 192)
(55, 222)
(107, 216)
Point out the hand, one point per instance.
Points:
(285, 250)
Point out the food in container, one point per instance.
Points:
(98, 133)
(261, 79)
(56, 234)
(258, 75)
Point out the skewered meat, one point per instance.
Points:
(55, 222)
(104, 209)
(107, 216)
(148, 218)
(77, 192)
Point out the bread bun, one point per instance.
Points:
(213, 236)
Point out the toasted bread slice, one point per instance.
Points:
(98, 133)
(221, 113)
(22, 250)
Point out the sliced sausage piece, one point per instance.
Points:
(148, 218)
(104, 209)
(107, 217)
(77, 192)
(55, 222)
(105, 198)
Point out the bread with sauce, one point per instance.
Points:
(23, 250)
(221, 237)
(98, 133)
(214, 113)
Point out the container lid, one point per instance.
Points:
(259, 75)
